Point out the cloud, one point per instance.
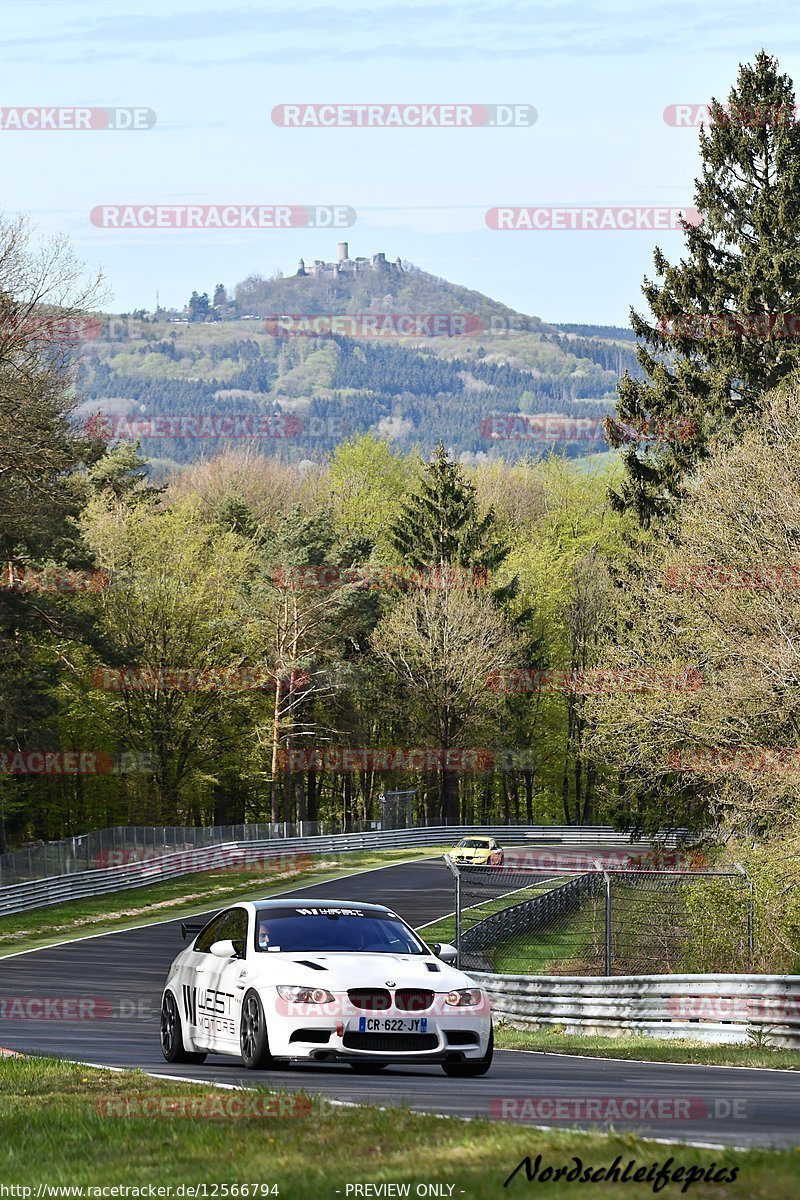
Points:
(437, 32)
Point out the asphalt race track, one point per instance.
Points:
(118, 977)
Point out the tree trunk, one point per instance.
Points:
(528, 777)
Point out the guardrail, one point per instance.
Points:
(705, 1008)
(90, 851)
(152, 867)
(525, 916)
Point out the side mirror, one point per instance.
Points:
(445, 952)
(224, 949)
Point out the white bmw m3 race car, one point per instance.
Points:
(326, 980)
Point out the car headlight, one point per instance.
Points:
(464, 997)
(305, 995)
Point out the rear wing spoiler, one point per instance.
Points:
(186, 928)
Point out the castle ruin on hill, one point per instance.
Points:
(346, 266)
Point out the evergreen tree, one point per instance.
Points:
(721, 331)
(440, 526)
(199, 307)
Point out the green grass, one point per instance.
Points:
(568, 948)
(55, 1132)
(444, 930)
(181, 897)
(554, 1041)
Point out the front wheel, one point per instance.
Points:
(172, 1034)
(469, 1070)
(253, 1039)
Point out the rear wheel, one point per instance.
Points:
(253, 1039)
(172, 1034)
(367, 1068)
(468, 1070)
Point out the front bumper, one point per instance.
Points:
(447, 1037)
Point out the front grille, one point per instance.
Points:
(413, 999)
(370, 999)
(390, 1043)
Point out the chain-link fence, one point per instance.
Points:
(112, 847)
(517, 921)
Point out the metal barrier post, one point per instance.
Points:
(456, 872)
(607, 880)
(751, 904)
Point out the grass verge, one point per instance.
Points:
(56, 1131)
(180, 897)
(555, 1041)
(475, 911)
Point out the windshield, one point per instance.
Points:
(473, 844)
(333, 931)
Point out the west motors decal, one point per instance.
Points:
(209, 1009)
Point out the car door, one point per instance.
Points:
(215, 999)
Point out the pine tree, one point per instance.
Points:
(440, 525)
(725, 327)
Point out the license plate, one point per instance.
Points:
(392, 1024)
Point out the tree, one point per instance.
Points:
(199, 307)
(43, 299)
(367, 482)
(306, 626)
(440, 525)
(441, 644)
(177, 603)
(564, 558)
(718, 611)
(220, 296)
(718, 338)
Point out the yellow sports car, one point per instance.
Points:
(478, 852)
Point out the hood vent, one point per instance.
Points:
(305, 962)
(432, 966)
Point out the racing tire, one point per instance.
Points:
(171, 1034)
(469, 1070)
(253, 1040)
(367, 1068)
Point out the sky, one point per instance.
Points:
(599, 76)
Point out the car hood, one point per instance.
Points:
(338, 972)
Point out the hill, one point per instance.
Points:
(260, 358)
